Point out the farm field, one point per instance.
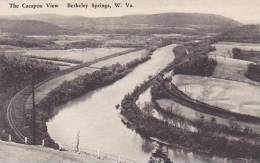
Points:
(232, 69)
(108, 40)
(65, 39)
(231, 95)
(172, 35)
(121, 59)
(84, 55)
(59, 63)
(225, 48)
(191, 114)
(9, 48)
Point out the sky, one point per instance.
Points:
(245, 11)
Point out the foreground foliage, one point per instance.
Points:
(15, 68)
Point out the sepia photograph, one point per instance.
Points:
(130, 81)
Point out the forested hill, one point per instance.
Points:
(30, 27)
(161, 23)
(173, 19)
(246, 33)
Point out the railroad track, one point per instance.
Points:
(10, 119)
(175, 94)
(17, 103)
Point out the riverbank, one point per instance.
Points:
(21, 102)
(198, 142)
(69, 90)
(201, 142)
(99, 122)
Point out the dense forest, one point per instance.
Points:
(202, 66)
(247, 55)
(16, 68)
(253, 72)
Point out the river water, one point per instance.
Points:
(99, 123)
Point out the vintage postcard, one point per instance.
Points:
(130, 81)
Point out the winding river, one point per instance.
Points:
(99, 123)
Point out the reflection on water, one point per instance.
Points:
(147, 146)
(99, 123)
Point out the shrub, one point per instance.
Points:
(202, 66)
(15, 68)
(253, 72)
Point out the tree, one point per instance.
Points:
(148, 110)
(213, 120)
(233, 124)
(236, 51)
(147, 146)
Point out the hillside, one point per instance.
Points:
(12, 152)
(13, 41)
(246, 33)
(30, 27)
(156, 23)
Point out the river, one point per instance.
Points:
(99, 123)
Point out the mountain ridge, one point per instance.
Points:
(159, 22)
(31, 27)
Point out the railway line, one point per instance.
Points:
(177, 95)
(15, 112)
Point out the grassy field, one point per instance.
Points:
(59, 63)
(193, 115)
(122, 59)
(81, 55)
(225, 48)
(234, 96)
(9, 47)
(65, 39)
(232, 69)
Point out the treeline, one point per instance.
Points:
(84, 44)
(253, 72)
(195, 141)
(192, 58)
(56, 59)
(202, 47)
(154, 42)
(253, 69)
(191, 50)
(141, 31)
(26, 42)
(247, 55)
(71, 89)
(202, 66)
(17, 68)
